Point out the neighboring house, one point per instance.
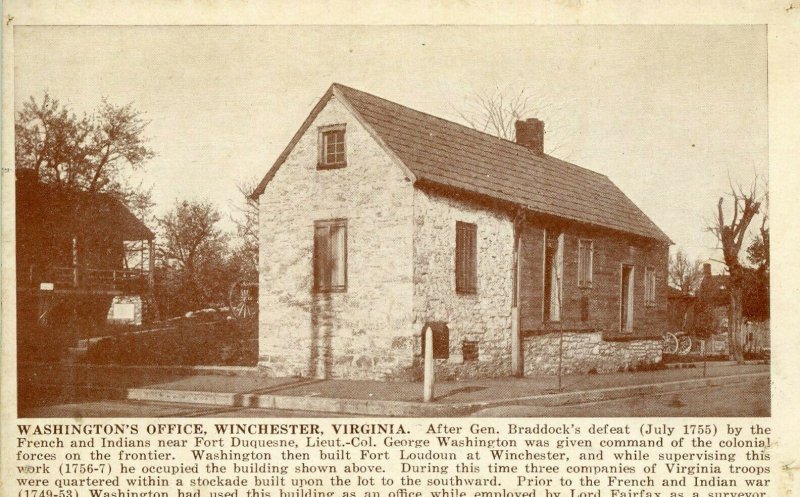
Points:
(377, 219)
(71, 258)
(714, 298)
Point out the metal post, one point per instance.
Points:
(516, 363)
(75, 263)
(703, 344)
(151, 276)
(428, 381)
(560, 351)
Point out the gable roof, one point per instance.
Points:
(441, 152)
(61, 209)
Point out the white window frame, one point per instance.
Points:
(322, 158)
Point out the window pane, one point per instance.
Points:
(333, 147)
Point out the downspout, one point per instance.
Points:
(516, 338)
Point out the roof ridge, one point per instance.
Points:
(451, 154)
(522, 148)
(447, 121)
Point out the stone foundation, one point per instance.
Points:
(587, 352)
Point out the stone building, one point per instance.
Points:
(377, 218)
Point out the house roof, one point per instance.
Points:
(59, 208)
(715, 289)
(441, 152)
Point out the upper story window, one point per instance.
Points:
(466, 257)
(330, 256)
(650, 286)
(585, 261)
(331, 147)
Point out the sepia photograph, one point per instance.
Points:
(392, 221)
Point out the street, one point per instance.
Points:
(737, 400)
(750, 398)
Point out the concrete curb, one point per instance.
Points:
(247, 371)
(699, 364)
(373, 407)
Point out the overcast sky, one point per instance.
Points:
(668, 113)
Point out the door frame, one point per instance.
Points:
(626, 326)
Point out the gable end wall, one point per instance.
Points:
(364, 332)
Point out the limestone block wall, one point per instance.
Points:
(587, 352)
(484, 317)
(366, 331)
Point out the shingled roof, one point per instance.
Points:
(441, 152)
(60, 209)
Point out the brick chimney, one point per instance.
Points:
(707, 270)
(530, 133)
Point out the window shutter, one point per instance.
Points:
(320, 257)
(466, 257)
(460, 256)
(469, 284)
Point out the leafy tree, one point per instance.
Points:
(684, 274)
(758, 251)
(90, 152)
(193, 251)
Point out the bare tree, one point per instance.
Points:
(496, 110)
(731, 235)
(684, 274)
(245, 217)
(758, 251)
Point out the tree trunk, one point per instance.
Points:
(735, 324)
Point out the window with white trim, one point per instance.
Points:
(332, 147)
(585, 261)
(650, 286)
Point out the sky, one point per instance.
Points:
(672, 114)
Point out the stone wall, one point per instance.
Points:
(484, 317)
(401, 274)
(366, 331)
(587, 352)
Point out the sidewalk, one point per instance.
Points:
(248, 387)
(452, 398)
